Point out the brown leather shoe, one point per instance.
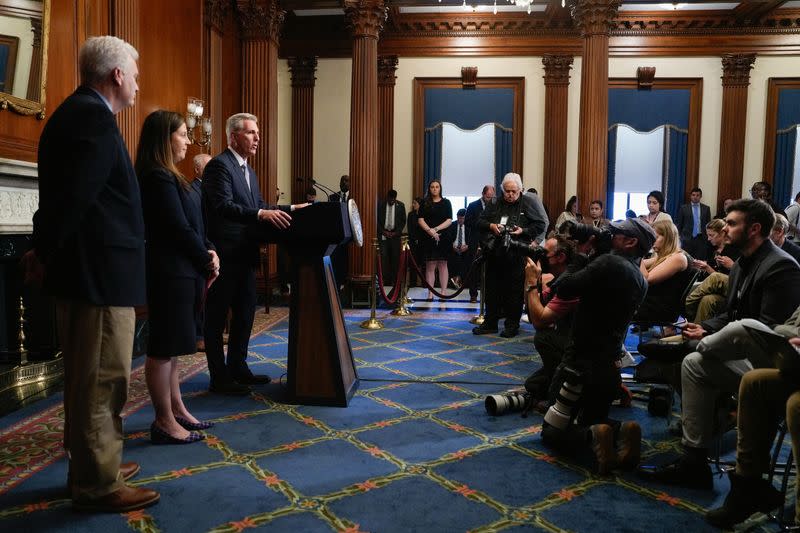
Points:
(603, 448)
(630, 447)
(121, 501)
(128, 470)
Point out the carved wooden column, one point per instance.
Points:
(556, 106)
(125, 25)
(35, 78)
(303, 70)
(735, 81)
(594, 19)
(387, 65)
(260, 22)
(215, 13)
(365, 21)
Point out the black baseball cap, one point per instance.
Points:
(635, 227)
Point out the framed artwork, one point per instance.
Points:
(8, 61)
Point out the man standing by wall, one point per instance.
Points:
(233, 203)
(340, 255)
(692, 221)
(391, 221)
(474, 212)
(89, 233)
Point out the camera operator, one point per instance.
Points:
(614, 283)
(514, 219)
(550, 314)
(590, 241)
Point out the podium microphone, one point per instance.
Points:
(324, 187)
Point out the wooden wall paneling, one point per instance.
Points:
(735, 82)
(170, 61)
(125, 25)
(594, 18)
(231, 76)
(365, 20)
(774, 87)
(387, 65)
(556, 109)
(420, 84)
(217, 16)
(695, 87)
(303, 70)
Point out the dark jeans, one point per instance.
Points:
(505, 277)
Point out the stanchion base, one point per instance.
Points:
(401, 311)
(372, 323)
(477, 320)
(407, 300)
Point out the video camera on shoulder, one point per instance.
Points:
(581, 233)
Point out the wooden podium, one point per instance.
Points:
(320, 368)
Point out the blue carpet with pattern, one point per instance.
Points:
(414, 451)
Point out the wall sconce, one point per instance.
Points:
(194, 117)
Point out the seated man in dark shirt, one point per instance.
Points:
(614, 283)
(764, 285)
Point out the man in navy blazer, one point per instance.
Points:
(89, 234)
(474, 212)
(692, 221)
(233, 205)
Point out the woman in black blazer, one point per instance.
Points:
(180, 262)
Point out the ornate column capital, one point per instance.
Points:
(260, 19)
(387, 65)
(365, 18)
(556, 69)
(215, 12)
(594, 17)
(303, 70)
(736, 69)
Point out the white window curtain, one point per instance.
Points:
(467, 159)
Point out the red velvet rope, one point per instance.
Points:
(472, 270)
(391, 299)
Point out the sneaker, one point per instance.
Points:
(683, 473)
(747, 496)
(603, 448)
(630, 445)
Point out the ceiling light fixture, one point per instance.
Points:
(673, 6)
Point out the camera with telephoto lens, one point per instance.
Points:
(575, 231)
(507, 402)
(562, 413)
(505, 244)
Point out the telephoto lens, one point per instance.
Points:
(508, 402)
(562, 412)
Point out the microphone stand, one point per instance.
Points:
(324, 187)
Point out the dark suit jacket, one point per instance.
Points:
(89, 230)
(231, 208)
(685, 220)
(337, 196)
(768, 289)
(474, 212)
(399, 217)
(792, 249)
(176, 243)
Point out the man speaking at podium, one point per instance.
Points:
(233, 203)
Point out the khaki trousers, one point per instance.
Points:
(97, 346)
(707, 299)
(765, 398)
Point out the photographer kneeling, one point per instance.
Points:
(590, 377)
(550, 314)
(510, 223)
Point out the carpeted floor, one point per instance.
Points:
(414, 451)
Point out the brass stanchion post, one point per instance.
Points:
(402, 298)
(23, 353)
(478, 320)
(373, 322)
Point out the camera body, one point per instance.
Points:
(505, 244)
(581, 233)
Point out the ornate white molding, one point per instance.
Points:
(19, 195)
(16, 209)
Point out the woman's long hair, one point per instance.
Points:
(670, 243)
(428, 200)
(570, 203)
(155, 145)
